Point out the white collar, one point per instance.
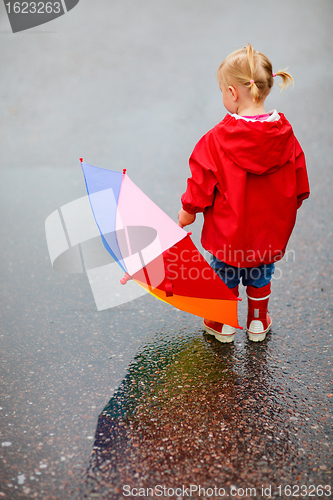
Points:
(273, 117)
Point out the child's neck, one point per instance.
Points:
(252, 109)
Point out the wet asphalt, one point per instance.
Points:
(101, 404)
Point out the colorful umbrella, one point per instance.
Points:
(153, 250)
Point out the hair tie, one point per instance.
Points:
(251, 81)
(273, 75)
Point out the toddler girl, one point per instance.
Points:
(248, 178)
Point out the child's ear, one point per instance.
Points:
(233, 92)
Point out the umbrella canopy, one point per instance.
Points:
(153, 250)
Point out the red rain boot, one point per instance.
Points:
(258, 320)
(222, 333)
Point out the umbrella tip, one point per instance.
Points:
(124, 170)
(125, 279)
(81, 160)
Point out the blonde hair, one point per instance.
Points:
(252, 69)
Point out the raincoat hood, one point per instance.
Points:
(256, 147)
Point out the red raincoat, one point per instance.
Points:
(248, 178)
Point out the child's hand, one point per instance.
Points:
(184, 218)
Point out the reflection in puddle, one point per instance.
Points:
(192, 409)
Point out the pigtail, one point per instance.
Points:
(249, 51)
(252, 84)
(287, 79)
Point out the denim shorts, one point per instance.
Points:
(251, 276)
